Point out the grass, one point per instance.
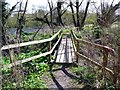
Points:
(85, 73)
(33, 71)
(33, 77)
(91, 77)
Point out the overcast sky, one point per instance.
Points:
(43, 3)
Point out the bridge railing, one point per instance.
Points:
(105, 54)
(11, 48)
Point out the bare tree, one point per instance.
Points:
(76, 18)
(85, 14)
(21, 22)
(5, 16)
(59, 18)
(106, 16)
(53, 9)
(73, 13)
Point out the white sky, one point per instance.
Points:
(43, 3)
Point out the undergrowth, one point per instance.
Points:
(91, 78)
(30, 74)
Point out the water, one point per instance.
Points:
(28, 30)
(45, 29)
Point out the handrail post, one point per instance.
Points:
(77, 50)
(12, 58)
(105, 61)
(105, 57)
(77, 46)
(49, 50)
(11, 52)
(118, 64)
(117, 67)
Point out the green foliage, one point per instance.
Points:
(85, 73)
(91, 19)
(34, 81)
(90, 31)
(88, 74)
(67, 18)
(96, 32)
(6, 60)
(34, 70)
(11, 22)
(87, 31)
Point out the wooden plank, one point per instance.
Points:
(61, 52)
(65, 52)
(60, 57)
(94, 44)
(66, 60)
(34, 57)
(29, 43)
(70, 56)
(97, 64)
(72, 52)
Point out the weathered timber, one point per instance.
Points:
(34, 57)
(30, 43)
(95, 63)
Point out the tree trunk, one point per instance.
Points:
(59, 4)
(3, 37)
(74, 21)
(77, 14)
(83, 20)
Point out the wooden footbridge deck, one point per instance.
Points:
(68, 52)
(65, 52)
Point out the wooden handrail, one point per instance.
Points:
(94, 44)
(104, 48)
(34, 57)
(73, 43)
(30, 43)
(95, 63)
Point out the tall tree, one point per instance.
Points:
(21, 22)
(73, 14)
(5, 15)
(76, 18)
(106, 16)
(85, 14)
(59, 18)
(3, 22)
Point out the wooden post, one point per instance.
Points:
(116, 76)
(77, 51)
(12, 58)
(49, 50)
(118, 59)
(117, 68)
(105, 57)
(11, 52)
(118, 65)
(104, 63)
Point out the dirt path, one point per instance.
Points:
(61, 78)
